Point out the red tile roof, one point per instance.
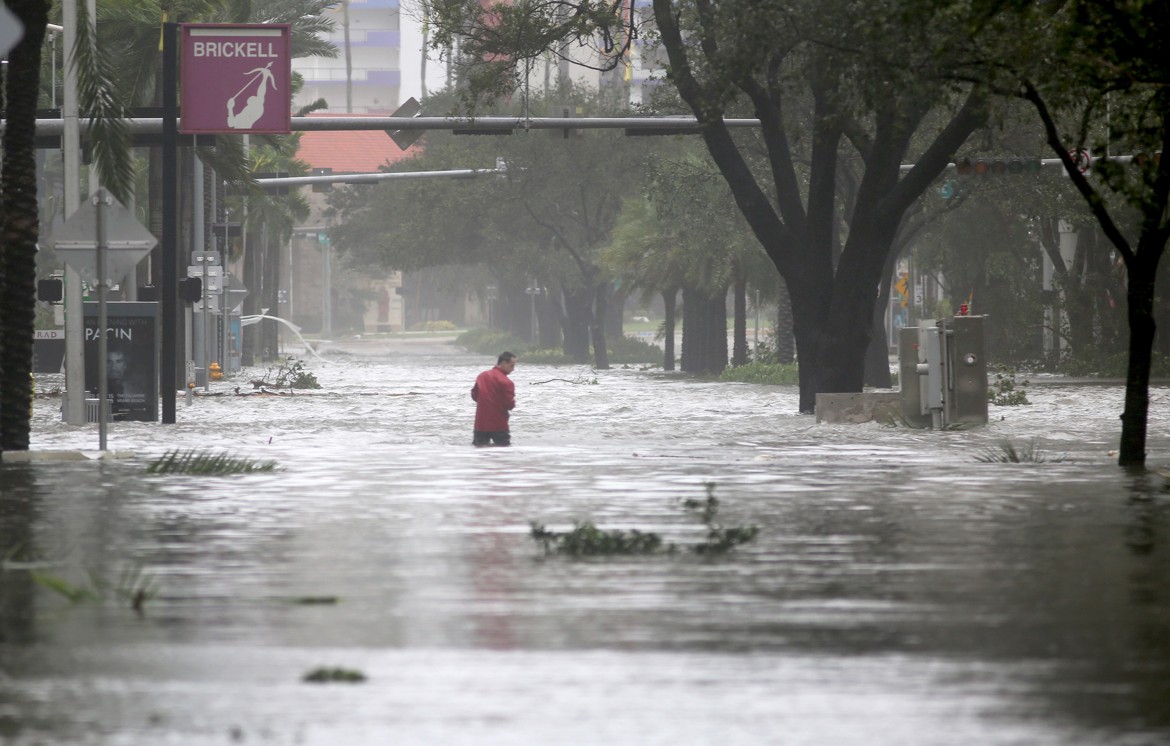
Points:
(351, 151)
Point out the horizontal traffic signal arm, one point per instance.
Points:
(1017, 166)
(50, 127)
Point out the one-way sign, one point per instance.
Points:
(127, 241)
(11, 30)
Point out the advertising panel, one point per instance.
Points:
(131, 358)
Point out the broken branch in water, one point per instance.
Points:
(580, 380)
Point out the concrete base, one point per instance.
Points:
(27, 457)
(864, 407)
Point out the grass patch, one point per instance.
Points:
(773, 373)
(196, 462)
(134, 588)
(1007, 453)
(622, 351)
(438, 325)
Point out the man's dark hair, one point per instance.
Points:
(505, 357)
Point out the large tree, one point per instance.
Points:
(829, 82)
(1098, 75)
(548, 219)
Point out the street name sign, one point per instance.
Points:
(236, 78)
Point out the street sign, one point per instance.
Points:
(127, 241)
(236, 78)
(405, 138)
(11, 31)
(235, 292)
(209, 258)
(212, 277)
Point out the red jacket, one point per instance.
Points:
(494, 395)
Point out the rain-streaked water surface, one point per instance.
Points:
(899, 592)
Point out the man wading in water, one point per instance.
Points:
(495, 396)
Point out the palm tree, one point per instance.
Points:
(645, 255)
(19, 224)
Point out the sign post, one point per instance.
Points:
(102, 241)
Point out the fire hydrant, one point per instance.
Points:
(216, 373)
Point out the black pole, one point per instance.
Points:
(170, 222)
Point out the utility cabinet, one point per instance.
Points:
(943, 372)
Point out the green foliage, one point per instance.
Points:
(134, 587)
(195, 462)
(632, 351)
(292, 374)
(489, 342)
(720, 539)
(762, 373)
(1007, 453)
(587, 540)
(437, 325)
(622, 351)
(74, 593)
(1004, 391)
(325, 675)
(1095, 363)
(546, 357)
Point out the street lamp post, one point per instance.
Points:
(532, 291)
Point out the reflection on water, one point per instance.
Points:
(900, 591)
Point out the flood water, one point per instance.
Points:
(899, 592)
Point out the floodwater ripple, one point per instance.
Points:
(899, 591)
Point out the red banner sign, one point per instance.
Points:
(235, 79)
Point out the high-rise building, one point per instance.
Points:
(366, 76)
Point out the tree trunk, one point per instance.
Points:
(20, 226)
(270, 329)
(670, 305)
(575, 324)
(248, 333)
(808, 300)
(597, 326)
(704, 348)
(739, 355)
(1142, 328)
(615, 310)
(877, 356)
(848, 328)
(785, 337)
(548, 313)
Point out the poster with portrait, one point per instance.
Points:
(131, 359)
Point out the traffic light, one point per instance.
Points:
(190, 289)
(51, 290)
(565, 112)
(323, 186)
(997, 166)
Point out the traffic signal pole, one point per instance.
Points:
(169, 243)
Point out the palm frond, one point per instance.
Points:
(109, 135)
(195, 462)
